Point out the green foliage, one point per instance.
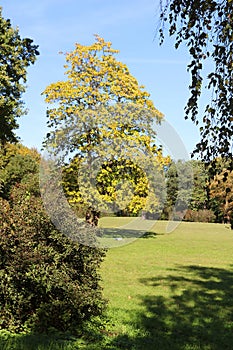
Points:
(186, 188)
(16, 54)
(47, 280)
(19, 164)
(199, 200)
(19, 169)
(206, 28)
(179, 187)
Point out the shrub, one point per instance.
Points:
(18, 165)
(203, 215)
(46, 279)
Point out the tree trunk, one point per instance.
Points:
(92, 217)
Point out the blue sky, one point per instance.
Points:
(55, 25)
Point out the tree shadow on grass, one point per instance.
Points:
(32, 342)
(197, 314)
(127, 233)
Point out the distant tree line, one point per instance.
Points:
(209, 199)
(191, 188)
(203, 197)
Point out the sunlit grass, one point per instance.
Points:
(165, 270)
(166, 291)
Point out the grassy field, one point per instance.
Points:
(166, 291)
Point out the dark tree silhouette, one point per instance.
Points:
(206, 28)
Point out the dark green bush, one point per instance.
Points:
(46, 279)
(17, 168)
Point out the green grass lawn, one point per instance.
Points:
(173, 291)
(166, 291)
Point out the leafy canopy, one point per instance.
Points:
(102, 115)
(95, 78)
(16, 54)
(206, 28)
(18, 164)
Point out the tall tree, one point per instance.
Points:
(199, 198)
(101, 114)
(16, 54)
(221, 195)
(206, 28)
(179, 183)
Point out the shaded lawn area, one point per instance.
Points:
(198, 314)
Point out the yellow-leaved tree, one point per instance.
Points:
(221, 195)
(102, 132)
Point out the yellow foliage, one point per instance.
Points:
(95, 76)
(12, 149)
(97, 82)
